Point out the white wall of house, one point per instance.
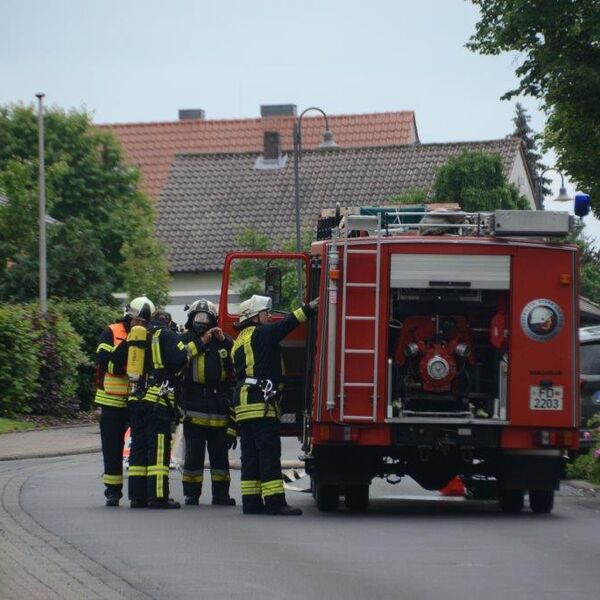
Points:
(520, 177)
(187, 287)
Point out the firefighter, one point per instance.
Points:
(152, 411)
(258, 366)
(206, 402)
(111, 398)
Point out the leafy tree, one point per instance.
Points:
(413, 195)
(589, 272)
(558, 42)
(76, 266)
(476, 182)
(92, 192)
(532, 156)
(248, 275)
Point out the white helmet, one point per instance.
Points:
(542, 317)
(140, 308)
(254, 305)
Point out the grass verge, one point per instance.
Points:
(8, 425)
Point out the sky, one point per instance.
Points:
(143, 60)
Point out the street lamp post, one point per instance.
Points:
(43, 292)
(326, 143)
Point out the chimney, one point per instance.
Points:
(271, 145)
(191, 114)
(278, 110)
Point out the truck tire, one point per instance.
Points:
(327, 496)
(511, 501)
(357, 497)
(541, 501)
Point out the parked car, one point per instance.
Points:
(589, 358)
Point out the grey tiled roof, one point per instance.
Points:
(209, 199)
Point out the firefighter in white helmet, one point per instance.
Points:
(111, 394)
(258, 367)
(208, 420)
(152, 411)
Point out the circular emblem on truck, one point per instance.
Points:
(541, 319)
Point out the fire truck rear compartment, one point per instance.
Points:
(443, 362)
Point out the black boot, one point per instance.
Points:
(112, 501)
(286, 511)
(223, 501)
(192, 500)
(138, 504)
(170, 503)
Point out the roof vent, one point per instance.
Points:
(271, 158)
(277, 110)
(191, 114)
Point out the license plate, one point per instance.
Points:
(546, 398)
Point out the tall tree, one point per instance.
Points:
(105, 219)
(475, 181)
(559, 45)
(532, 156)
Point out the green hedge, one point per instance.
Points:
(88, 318)
(19, 361)
(47, 365)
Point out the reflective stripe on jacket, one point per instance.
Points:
(257, 354)
(114, 386)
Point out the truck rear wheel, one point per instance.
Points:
(541, 501)
(357, 497)
(327, 496)
(511, 501)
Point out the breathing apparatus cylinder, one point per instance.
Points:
(137, 342)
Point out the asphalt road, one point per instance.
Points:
(410, 545)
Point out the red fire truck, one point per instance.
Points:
(445, 346)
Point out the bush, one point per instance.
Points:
(88, 318)
(587, 466)
(60, 354)
(19, 361)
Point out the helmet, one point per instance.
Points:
(542, 318)
(201, 306)
(254, 305)
(140, 308)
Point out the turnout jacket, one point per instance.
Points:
(112, 379)
(257, 356)
(166, 356)
(208, 382)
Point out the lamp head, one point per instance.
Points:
(562, 195)
(328, 140)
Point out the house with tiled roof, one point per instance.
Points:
(152, 147)
(208, 199)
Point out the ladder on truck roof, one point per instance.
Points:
(360, 324)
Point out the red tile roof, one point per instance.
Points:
(153, 146)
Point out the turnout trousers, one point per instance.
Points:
(197, 439)
(113, 424)
(262, 484)
(150, 452)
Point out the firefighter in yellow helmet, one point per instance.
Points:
(257, 362)
(111, 395)
(152, 410)
(206, 403)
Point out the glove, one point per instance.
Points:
(314, 304)
(231, 442)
